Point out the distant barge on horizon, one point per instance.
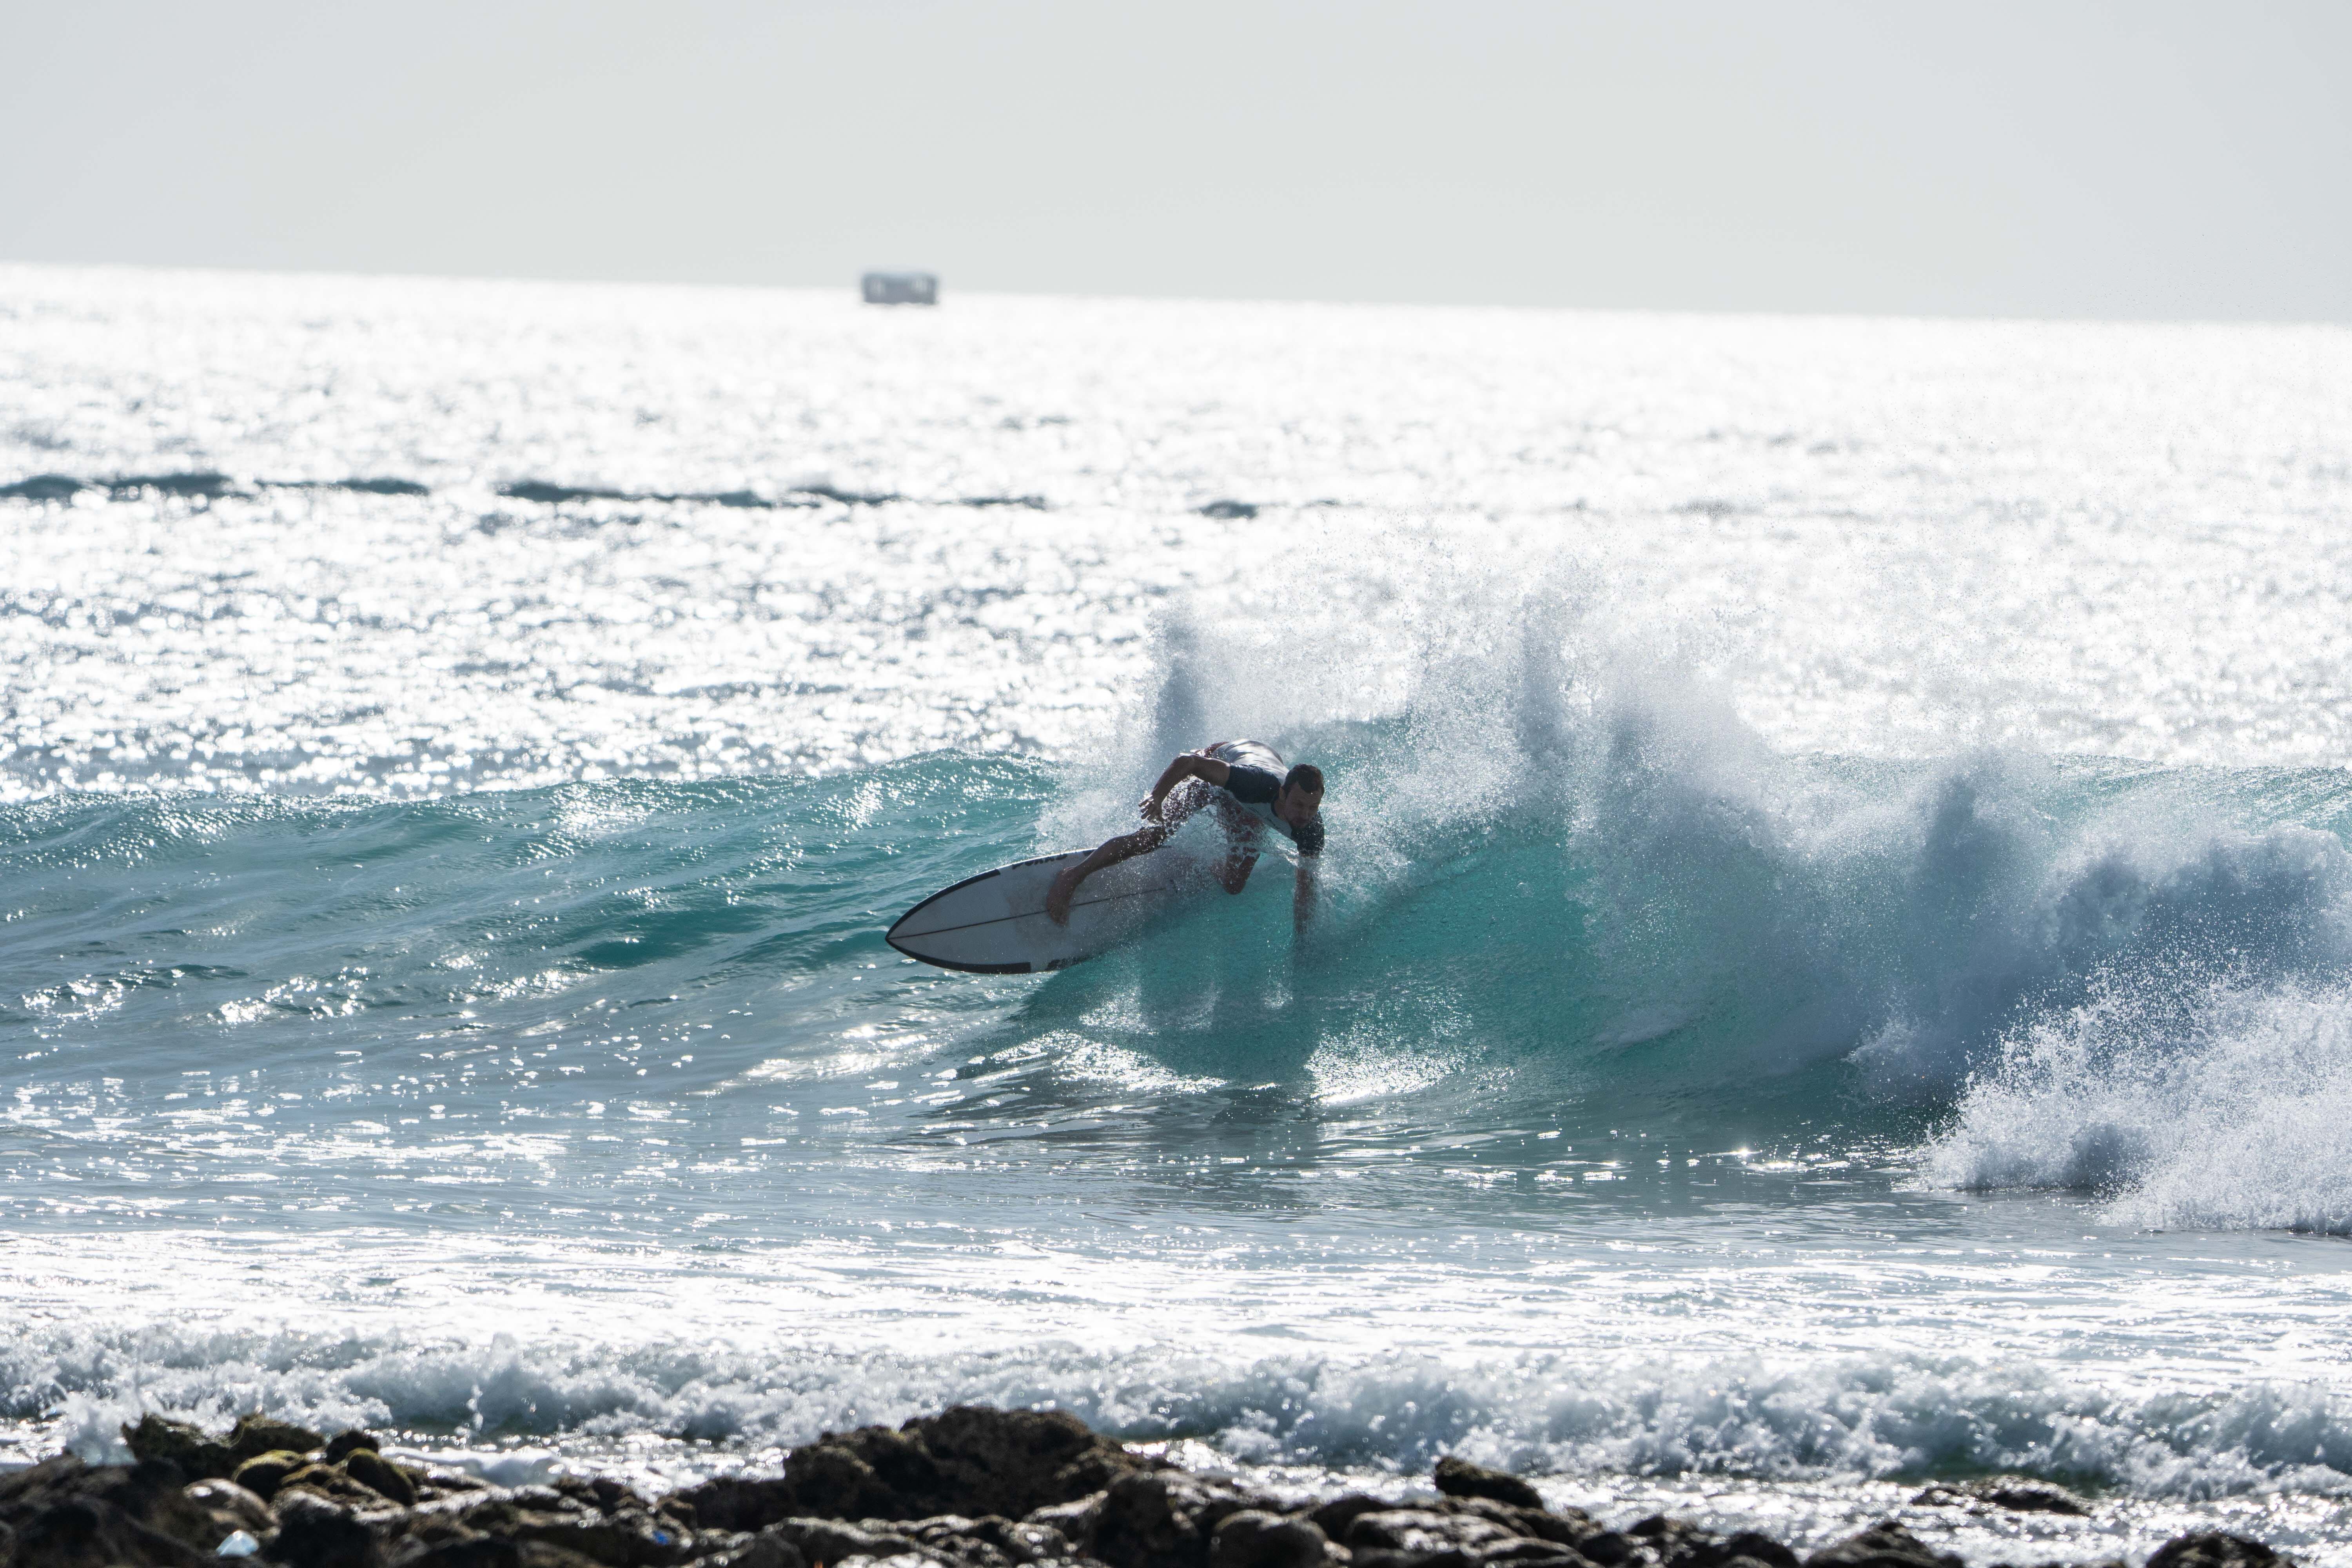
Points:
(901, 288)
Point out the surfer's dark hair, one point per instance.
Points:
(1306, 776)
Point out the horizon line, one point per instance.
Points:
(948, 289)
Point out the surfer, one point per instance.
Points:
(1251, 788)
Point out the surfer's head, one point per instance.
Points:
(1302, 794)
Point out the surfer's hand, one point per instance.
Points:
(1150, 808)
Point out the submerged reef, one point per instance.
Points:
(970, 1488)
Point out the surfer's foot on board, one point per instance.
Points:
(1058, 896)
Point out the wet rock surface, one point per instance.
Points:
(967, 1460)
(1883, 1545)
(2012, 1492)
(968, 1488)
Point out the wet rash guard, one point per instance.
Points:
(1256, 778)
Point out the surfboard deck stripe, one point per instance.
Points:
(995, 923)
(1076, 904)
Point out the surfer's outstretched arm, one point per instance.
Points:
(1190, 765)
(1302, 894)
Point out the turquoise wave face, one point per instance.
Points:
(1606, 975)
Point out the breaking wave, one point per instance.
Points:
(1560, 882)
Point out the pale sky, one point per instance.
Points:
(2143, 160)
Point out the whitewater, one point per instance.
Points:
(1832, 967)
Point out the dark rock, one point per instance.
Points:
(1420, 1532)
(257, 1434)
(1565, 1526)
(1073, 1521)
(315, 1533)
(970, 1460)
(155, 1495)
(1383, 1557)
(470, 1551)
(623, 1539)
(61, 1508)
(1678, 1543)
(872, 1473)
(832, 1541)
(199, 1456)
(430, 1531)
(1885, 1545)
(83, 1531)
(1460, 1478)
(1533, 1554)
(2212, 1549)
(541, 1554)
(1253, 1538)
(343, 1444)
(765, 1550)
(329, 1481)
(263, 1474)
(1747, 1546)
(1673, 1540)
(1334, 1517)
(379, 1475)
(363, 1510)
(962, 1540)
(1610, 1547)
(739, 1502)
(579, 1491)
(2005, 1491)
(539, 1497)
(608, 1494)
(1163, 1519)
(232, 1508)
(62, 1513)
(1023, 1541)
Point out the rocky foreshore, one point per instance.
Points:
(970, 1488)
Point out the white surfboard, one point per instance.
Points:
(995, 923)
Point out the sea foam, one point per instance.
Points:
(1845, 1417)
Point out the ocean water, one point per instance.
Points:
(1832, 970)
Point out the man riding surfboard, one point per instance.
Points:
(1251, 789)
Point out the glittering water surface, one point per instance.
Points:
(1832, 965)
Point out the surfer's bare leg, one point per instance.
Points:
(1182, 804)
(1110, 852)
(1241, 847)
